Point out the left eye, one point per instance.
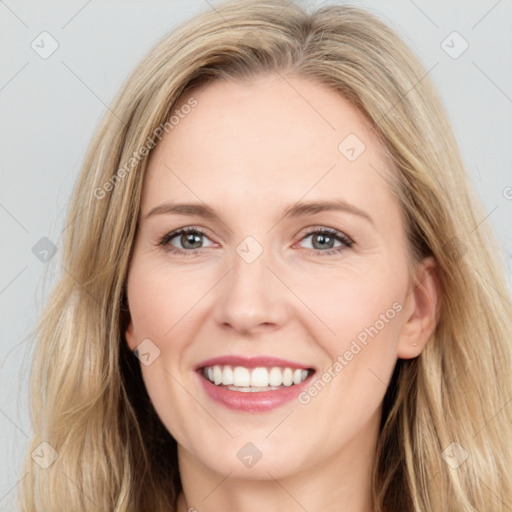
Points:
(324, 240)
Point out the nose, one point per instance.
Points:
(251, 297)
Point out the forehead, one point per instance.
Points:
(271, 141)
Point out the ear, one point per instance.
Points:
(130, 336)
(421, 308)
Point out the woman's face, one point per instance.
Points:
(298, 261)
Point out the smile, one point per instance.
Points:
(242, 379)
(252, 384)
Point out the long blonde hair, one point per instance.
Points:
(446, 426)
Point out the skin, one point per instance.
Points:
(249, 151)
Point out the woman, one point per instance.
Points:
(279, 292)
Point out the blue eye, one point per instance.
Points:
(191, 239)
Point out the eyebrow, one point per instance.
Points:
(299, 209)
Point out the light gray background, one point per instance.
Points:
(50, 107)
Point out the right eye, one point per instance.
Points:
(186, 241)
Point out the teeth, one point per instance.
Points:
(259, 378)
(297, 376)
(275, 377)
(227, 375)
(217, 375)
(247, 379)
(241, 376)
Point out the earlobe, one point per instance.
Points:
(421, 309)
(127, 323)
(130, 336)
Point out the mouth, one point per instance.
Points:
(254, 380)
(253, 384)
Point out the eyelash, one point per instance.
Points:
(346, 242)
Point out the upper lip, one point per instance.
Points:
(252, 362)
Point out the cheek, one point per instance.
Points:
(163, 299)
(164, 307)
(362, 314)
(354, 301)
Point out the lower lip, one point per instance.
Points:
(258, 401)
